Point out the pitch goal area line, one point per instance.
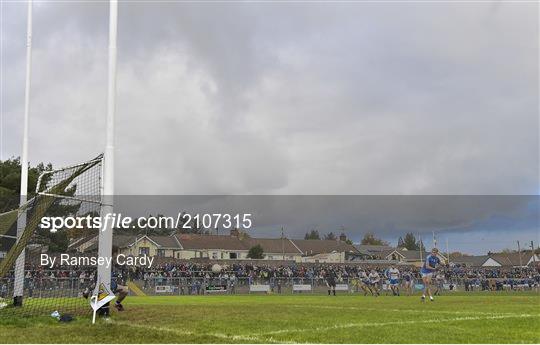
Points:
(246, 337)
(266, 337)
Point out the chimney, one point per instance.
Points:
(343, 237)
(235, 232)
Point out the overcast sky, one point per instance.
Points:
(299, 98)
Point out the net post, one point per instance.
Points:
(94, 311)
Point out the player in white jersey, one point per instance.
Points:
(374, 280)
(439, 282)
(393, 275)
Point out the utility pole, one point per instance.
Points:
(533, 254)
(447, 251)
(519, 253)
(421, 248)
(282, 245)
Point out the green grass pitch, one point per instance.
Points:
(456, 318)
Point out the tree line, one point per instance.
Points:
(408, 241)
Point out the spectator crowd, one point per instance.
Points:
(197, 276)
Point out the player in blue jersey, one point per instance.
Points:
(408, 282)
(121, 291)
(430, 266)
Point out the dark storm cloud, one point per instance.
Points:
(497, 220)
(384, 214)
(289, 98)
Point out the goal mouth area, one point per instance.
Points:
(73, 191)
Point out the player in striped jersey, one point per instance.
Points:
(393, 275)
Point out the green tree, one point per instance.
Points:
(330, 236)
(409, 242)
(10, 181)
(312, 235)
(370, 239)
(58, 241)
(255, 252)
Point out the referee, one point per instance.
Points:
(330, 278)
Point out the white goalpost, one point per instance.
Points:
(103, 283)
(64, 190)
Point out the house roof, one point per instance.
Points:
(194, 241)
(311, 247)
(384, 254)
(408, 254)
(512, 259)
(476, 260)
(321, 256)
(119, 241)
(414, 254)
(166, 241)
(369, 249)
(122, 241)
(273, 245)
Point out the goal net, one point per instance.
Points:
(33, 280)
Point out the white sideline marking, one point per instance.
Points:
(390, 323)
(264, 337)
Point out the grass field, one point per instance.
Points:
(472, 318)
